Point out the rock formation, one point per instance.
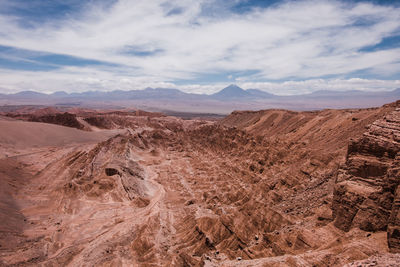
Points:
(254, 189)
(367, 189)
(65, 119)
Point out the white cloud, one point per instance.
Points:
(297, 39)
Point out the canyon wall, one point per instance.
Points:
(367, 193)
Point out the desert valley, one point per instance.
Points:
(82, 187)
(195, 133)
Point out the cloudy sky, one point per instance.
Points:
(200, 46)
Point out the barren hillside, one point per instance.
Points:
(266, 188)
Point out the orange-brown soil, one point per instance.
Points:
(254, 189)
(83, 119)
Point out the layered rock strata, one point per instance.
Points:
(367, 193)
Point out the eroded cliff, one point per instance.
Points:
(366, 189)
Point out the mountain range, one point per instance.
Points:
(224, 101)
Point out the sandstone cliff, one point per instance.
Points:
(366, 193)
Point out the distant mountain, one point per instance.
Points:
(27, 95)
(59, 94)
(89, 94)
(349, 94)
(395, 92)
(259, 93)
(234, 92)
(333, 93)
(230, 92)
(148, 93)
(160, 92)
(228, 99)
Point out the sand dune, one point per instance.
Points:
(34, 134)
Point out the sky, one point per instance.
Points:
(199, 46)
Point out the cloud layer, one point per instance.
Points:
(136, 44)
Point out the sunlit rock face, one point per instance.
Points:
(366, 191)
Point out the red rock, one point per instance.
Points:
(366, 192)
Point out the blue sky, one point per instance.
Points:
(284, 47)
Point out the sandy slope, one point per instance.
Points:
(32, 134)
